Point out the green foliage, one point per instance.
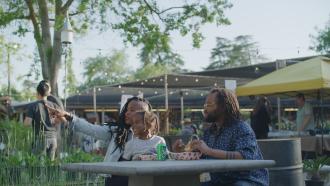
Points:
(152, 70)
(145, 23)
(71, 81)
(16, 136)
(174, 132)
(18, 95)
(103, 70)
(161, 54)
(80, 156)
(314, 165)
(321, 42)
(240, 51)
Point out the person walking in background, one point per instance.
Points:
(188, 128)
(145, 140)
(305, 118)
(44, 129)
(261, 118)
(117, 134)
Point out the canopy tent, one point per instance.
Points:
(311, 77)
(250, 71)
(182, 81)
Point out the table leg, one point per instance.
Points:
(172, 180)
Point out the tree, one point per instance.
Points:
(151, 70)
(7, 50)
(70, 80)
(321, 42)
(240, 51)
(140, 22)
(104, 70)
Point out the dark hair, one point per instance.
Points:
(148, 119)
(122, 127)
(228, 100)
(262, 102)
(301, 96)
(43, 88)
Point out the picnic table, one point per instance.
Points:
(169, 172)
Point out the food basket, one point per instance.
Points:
(185, 155)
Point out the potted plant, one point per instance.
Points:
(313, 166)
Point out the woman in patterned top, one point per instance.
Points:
(229, 138)
(117, 134)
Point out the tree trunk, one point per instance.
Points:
(55, 65)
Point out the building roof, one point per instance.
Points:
(249, 71)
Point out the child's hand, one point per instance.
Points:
(178, 146)
(200, 145)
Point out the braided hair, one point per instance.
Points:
(150, 121)
(228, 100)
(122, 127)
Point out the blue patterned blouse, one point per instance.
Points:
(237, 136)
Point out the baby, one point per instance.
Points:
(145, 127)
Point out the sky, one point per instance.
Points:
(281, 28)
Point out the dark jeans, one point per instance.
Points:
(116, 181)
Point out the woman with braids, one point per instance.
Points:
(117, 134)
(228, 138)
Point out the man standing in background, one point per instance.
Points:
(44, 130)
(305, 118)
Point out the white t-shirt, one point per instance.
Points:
(138, 146)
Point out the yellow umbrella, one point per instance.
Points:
(306, 76)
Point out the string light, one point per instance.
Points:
(196, 80)
(119, 86)
(176, 79)
(215, 84)
(153, 80)
(142, 83)
(186, 93)
(161, 79)
(156, 92)
(99, 89)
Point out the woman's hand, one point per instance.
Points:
(60, 116)
(57, 112)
